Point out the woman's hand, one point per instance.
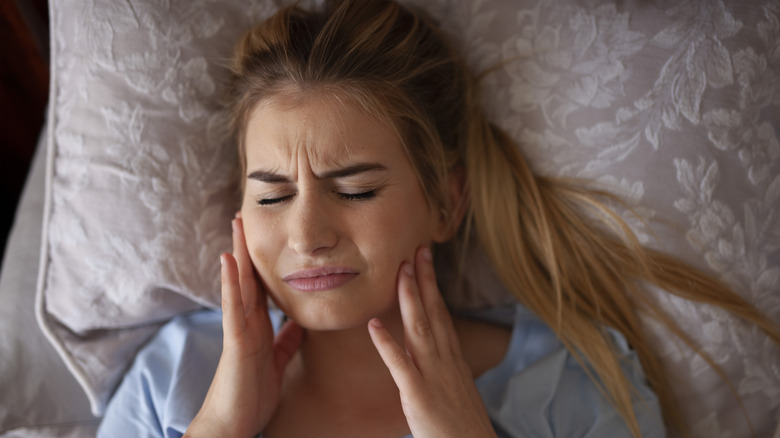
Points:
(247, 385)
(437, 388)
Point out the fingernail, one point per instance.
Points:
(409, 269)
(238, 214)
(427, 255)
(221, 259)
(376, 322)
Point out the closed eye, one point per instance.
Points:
(272, 201)
(363, 196)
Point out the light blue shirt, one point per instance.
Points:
(538, 389)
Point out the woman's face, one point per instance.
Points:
(332, 206)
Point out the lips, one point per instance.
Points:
(319, 279)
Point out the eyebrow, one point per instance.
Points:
(275, 178)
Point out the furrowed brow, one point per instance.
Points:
(268, 177)
(352, 170)
(275, 178)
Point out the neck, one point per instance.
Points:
(343, 363)
(339, 383)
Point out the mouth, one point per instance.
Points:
(320, 279)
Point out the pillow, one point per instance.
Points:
(673, 106)
(46, 397)
(140, 190)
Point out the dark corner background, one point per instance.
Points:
(24, 91)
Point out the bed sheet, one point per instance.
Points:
(38, 395)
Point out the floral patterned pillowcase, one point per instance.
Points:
(140, 186)
(673, 105)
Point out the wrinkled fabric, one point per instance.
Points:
(537, 390)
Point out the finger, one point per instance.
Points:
(233, 319)
(402, 368)
(287, 342)
(418, 334)
(250, 291)
(432, 303)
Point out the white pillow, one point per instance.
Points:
(672, 105)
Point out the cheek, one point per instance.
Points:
(398, 230)
(260, 241)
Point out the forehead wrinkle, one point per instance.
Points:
(303, 144)
(329, 138)
(344, 106)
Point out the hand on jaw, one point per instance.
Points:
(436, 386)
(247, 385)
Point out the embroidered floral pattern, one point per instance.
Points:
(673, 105)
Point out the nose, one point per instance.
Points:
(311, 225)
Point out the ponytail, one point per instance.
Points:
(575, 263)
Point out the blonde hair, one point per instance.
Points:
(554, 243)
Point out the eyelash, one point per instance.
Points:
(272, 201)
(363, 196)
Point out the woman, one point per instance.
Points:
(362, 146)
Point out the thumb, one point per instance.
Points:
(287, 342)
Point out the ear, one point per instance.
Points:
(452, 215)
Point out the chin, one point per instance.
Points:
(332, 313)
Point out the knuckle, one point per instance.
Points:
(423, 328)
(400, 359)
(440, 314)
